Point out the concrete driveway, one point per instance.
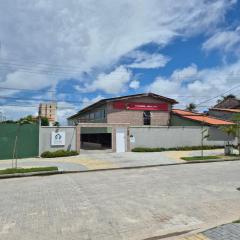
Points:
(91, 160)
(131, 204)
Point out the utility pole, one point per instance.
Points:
(238, 135)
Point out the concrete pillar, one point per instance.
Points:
(128, 140)
(78, 138)
(113, 139)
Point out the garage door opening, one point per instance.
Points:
(96, 138)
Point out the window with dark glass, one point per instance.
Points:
(146, 118)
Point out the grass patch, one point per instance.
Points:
(200, 158)
(237, 221)
(187, 148)
(26, 170)
(58, 153)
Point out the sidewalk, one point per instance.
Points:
(229, 231)
(95, 160)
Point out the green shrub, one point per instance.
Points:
(200, 158)
(58, 153)
(186, 148)
(144, 149)
(27, 170)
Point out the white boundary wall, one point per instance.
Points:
(142, 136)
(45, 138)
(168, 137)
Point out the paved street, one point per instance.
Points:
(125, 204)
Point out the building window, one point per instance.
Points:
(92, 116)
(146, 118)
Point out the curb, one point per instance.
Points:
(151, 166)
(18, 175)
(47, 173)
(213, 160)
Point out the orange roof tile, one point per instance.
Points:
(201, 117)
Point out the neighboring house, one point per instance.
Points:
(224, 113)
(136, 110)
(186, 118)
(48, 110)
(229, 102)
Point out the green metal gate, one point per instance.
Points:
(27, 140)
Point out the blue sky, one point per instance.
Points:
(78, 52)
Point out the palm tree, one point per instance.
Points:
(191, 107)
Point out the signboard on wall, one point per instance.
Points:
(141, 106)
(58, 139)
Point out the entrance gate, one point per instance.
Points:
(119, 135)
(120, 140)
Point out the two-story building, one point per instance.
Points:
(133, 110)
(139, 109)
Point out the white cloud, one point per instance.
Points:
(112, 83)
(82, 35)
(185, 73)
(200, 85)
(27, 80)
(65, 110)
(147, 60)
(135, 84)
(164, 86)
(46, 41)
(224, 41)
(86, 101)
(16, 112)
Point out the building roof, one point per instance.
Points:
(199, 117)
(103, 101)
(232, 110)
(228, 102)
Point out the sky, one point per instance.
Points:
(80, 51)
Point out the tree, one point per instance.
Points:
(236, 119)
(57, 124)
(234, 130)
(44, 121)
(191, 107)
(230, 130)
(27, 119)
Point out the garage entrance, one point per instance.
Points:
(103, 136)
(96, 138)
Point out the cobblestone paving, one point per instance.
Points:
(229, 231)
(225, 232)
(119, 205)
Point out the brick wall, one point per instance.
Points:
(158, 118)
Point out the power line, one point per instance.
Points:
(32, 106)
(26, 89)
(77, 69)
(72, 93)
(210, 99)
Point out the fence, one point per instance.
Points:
(25, 137)
(46, 135)
(31, 142)
(168, 137)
